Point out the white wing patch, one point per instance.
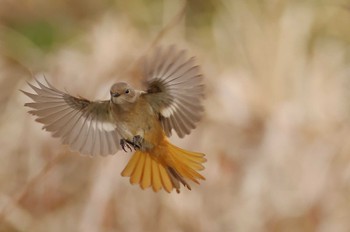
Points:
(104, 126)
(175, 88)
(169, 110)
(86, 126)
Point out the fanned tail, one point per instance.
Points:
(166, 166)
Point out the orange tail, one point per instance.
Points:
(165, 166)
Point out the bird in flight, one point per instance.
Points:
(134, 120)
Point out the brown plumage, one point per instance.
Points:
(134, 119)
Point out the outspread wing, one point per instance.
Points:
(87, 126)
(175, 89)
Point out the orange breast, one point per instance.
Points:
(140, 119)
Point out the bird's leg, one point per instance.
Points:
(125, 143)
(137, 142)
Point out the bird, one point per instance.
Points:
(134, 120)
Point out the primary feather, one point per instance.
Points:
(175, 89)
(87, 126)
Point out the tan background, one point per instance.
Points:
(276, 128)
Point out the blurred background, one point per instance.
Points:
(275, 132)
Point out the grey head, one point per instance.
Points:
(122, 93)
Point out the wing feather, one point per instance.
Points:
(87, 126)
(175, 89)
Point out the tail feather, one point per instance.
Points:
(136, 177)
(147, 173)
(166, 166)
(129, 169)
(194, 163)
(189, 169)
(156, 179)
(167, 184)
(176, 178)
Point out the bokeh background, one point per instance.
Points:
(275, 131)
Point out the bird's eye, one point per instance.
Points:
(127, 91)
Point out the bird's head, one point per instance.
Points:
(122, 92)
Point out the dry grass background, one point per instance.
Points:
(276, 128)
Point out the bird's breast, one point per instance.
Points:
(140, 119)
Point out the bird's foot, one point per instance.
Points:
(126, 144)
(137, 142)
